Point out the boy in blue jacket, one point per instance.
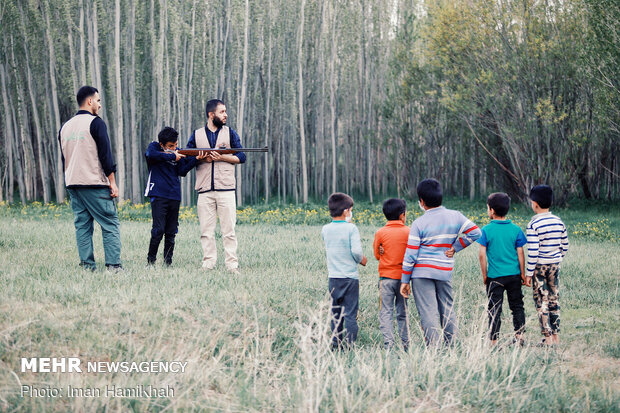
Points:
(164, 188)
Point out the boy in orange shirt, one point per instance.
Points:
(389, 248)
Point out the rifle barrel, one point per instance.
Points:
(196, 151)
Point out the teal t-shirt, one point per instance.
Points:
(502, 238)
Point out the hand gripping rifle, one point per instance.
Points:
(223, 151)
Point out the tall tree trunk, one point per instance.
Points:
(45, 178)
(25, 155)
(17, 156)
(72, 59)
(222, 83)
(268, 129)
(302, 132)
(472, 178)
(91, 78)
(120, 147)
(283, 170)
(332, 99)
(155, 70)
(165, 81)
(320, 140)
(96, 67)
(482, 178)
(9, 134)
(136, 190)
(15, 161)
(35, 115)
(187, 127)
(244, 81)
(83, 71)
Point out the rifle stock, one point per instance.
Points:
(223, 151)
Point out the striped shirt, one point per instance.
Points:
(430, 236)
(547, 241)
(343, 248)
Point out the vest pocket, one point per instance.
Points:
(224, 176)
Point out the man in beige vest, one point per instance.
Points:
(216, 184)
(89, 169)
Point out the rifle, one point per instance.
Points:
(223, 151)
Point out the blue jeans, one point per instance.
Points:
(95, 204)
(345, 294)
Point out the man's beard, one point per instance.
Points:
(217, 121)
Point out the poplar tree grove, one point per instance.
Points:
(365, 97)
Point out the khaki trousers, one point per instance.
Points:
(212, 205)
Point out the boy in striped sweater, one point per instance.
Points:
(547, 244)
(428, 262)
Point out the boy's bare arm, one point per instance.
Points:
(482, 257)
(527, 281)
(375, 247)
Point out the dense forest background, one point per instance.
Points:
(362, 96)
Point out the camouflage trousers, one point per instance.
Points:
(546, 286)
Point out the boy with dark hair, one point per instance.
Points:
(428, 262)
(501, 247)
(389, 247)
(164, 188)
(344, 251)
(547, 244)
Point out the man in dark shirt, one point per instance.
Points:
(89, 170)
(216, 184)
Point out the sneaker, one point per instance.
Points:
(234, 271)
(207, 267)
(88, 267)
(114, 268)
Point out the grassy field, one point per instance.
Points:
(259, 341)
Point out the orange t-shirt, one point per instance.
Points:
(393, 237)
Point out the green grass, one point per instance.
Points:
(259, 341)
(585, 220)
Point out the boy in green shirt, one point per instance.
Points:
(503, 266)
